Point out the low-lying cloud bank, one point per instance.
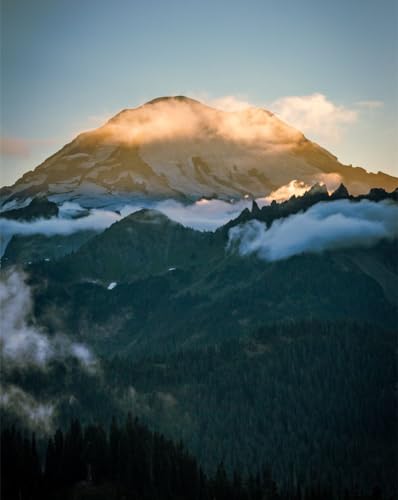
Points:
(204, 215)
(96, 220)
(325, 226)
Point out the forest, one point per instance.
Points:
(312, 401)
(130, 462)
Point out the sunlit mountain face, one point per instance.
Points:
(177, 147)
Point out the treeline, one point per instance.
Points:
(130, 462)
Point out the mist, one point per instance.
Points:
(24, 346)
(96, 220)
(204, 215)
(23, 343)
(36, 414)
(324, 226)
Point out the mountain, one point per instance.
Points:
(289, 363)
(177, 147)
(142, 244)
(37, 208)
(148, 282)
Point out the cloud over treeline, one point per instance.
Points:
(37, 414)
(324, 226)
(202, 215)
(25, 346)
(22, 342)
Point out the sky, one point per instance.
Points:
(329, 68)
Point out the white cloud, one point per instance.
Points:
(315, 114)
(96, 220)
(204, 214)
(23, 343)
(331, 225)
(293, 188)
(230, 103)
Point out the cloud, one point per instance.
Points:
(24, 346)
(230, 103)
(371, 104)
(173, 119)
(325, 226)
(38, 415)
(332, 180)
(293, 188)
(298, 188)
(23, 343)
(315, 114)
(96, 220)
(204, 215)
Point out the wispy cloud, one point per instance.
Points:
(229, 102)
(37, 414)
(372, 104)
(24, 344)
(315, 114)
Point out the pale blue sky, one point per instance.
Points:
(68, 64)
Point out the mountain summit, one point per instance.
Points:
(177, 147)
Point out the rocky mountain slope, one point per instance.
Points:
(177, 147)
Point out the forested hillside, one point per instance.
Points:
(130, 462)
(285, 363)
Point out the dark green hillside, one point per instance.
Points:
(143, 243)
(39, 207)
(290, 363)
(129, 462)
(178, 288)
(222, 298)
(22, 250)
(315, 401)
